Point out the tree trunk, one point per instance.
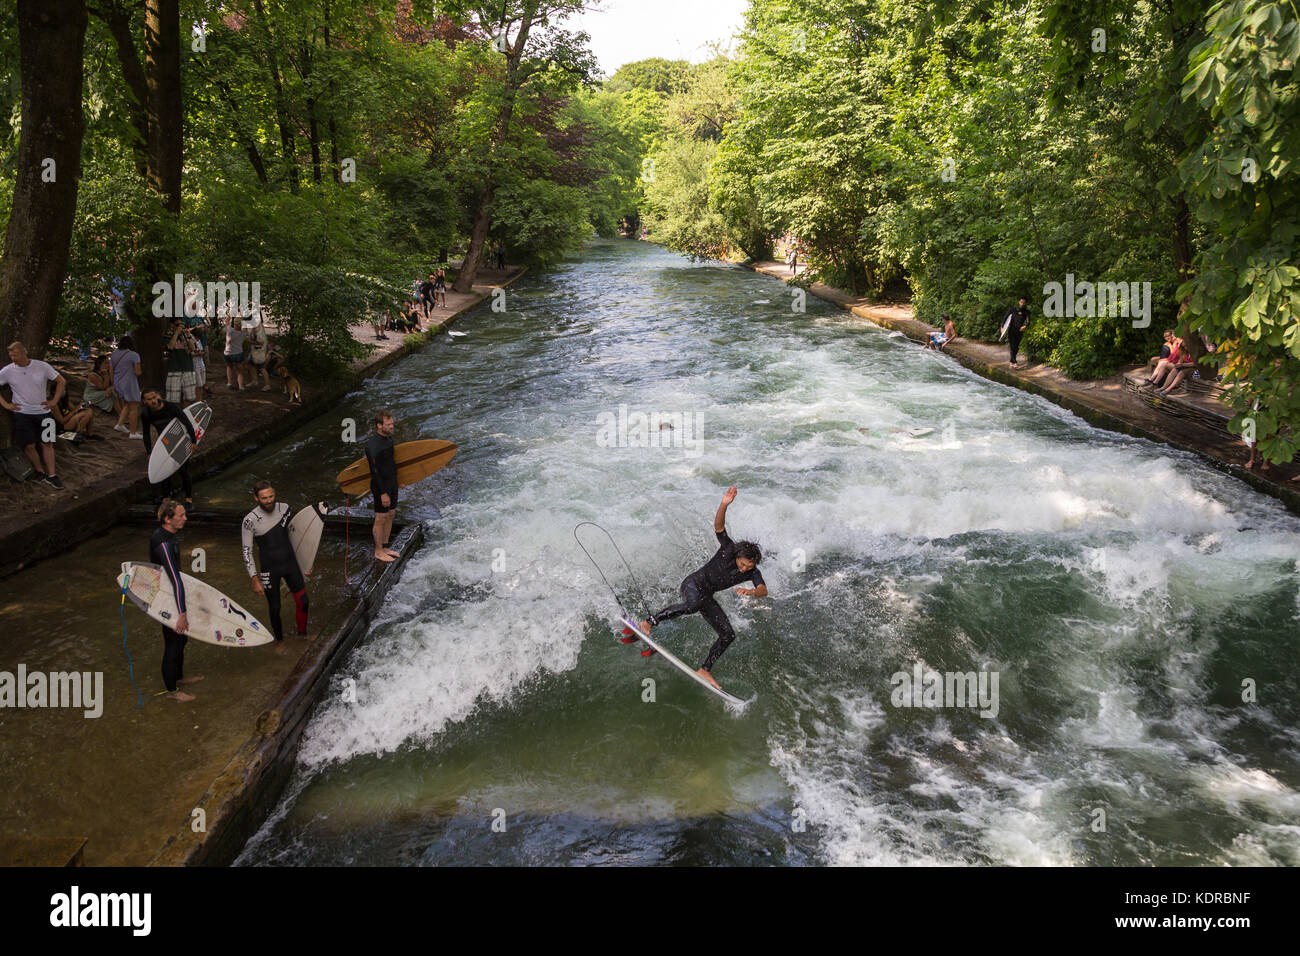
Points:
(118, 20)
(281, 109)
(1183, 267)
(51, 37)
(162, 44)
(482, 220)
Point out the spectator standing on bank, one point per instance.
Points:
(440, 287)
(125, 362)
(196, 323)
(28, 380)
(234, 353)
(179, 384)
(427, 299)
(259, 343)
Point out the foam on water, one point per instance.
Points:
(1121, 589)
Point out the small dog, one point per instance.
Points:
(292, 387)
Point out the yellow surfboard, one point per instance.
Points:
(415, 460)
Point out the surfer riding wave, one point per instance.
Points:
(734, 561)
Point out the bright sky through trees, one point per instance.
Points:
(623, 31)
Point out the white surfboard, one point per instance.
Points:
(304, 535)
(212, 617)
(688, 671)
(1006, 324)
(173, 447)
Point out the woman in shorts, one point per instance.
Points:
(234, 354)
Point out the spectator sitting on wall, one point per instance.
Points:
(80, 422)
(1165, 350)
(99, 387)
(938, 340)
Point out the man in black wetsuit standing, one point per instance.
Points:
(383, 482)
(157, 415)
(267, 525)
(164, 551)
(732, 563)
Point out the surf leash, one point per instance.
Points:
(347, 540)
(640, 593)
(130, 665)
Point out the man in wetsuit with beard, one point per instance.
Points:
(734, 562)
(268, 525)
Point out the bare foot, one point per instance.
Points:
(181, 696)
(645, 627)
(280, 649)
(396, 554)
(384, 556)
(708, 677)
(309, 637)
(190, 680)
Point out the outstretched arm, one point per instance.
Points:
(720, 519)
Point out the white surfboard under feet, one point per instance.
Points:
(731, 701)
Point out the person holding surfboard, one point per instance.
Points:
(164, 551)
(267, 525)
(1014, 326)
(383, 482)
(734, 561)
(157, 415)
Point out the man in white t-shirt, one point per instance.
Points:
(28, 379)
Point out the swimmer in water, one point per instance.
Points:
(734, 562)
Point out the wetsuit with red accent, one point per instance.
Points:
(697, 595)
(164, 551)
(270, 531)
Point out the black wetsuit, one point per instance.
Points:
(1019, 317)
(697, 592)
(383, 471)
(270, 530)
(149, 419)
(163, 550)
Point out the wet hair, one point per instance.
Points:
(382, 416)
(749, 551)
(260, 487)
(167, 509)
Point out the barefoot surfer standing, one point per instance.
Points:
(383, 482)
(734, 562)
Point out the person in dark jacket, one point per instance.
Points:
(157, 415)
(1019, 322)
(383, 482)
(165, 552)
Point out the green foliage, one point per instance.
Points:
(655, 75)
(1242, 182)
